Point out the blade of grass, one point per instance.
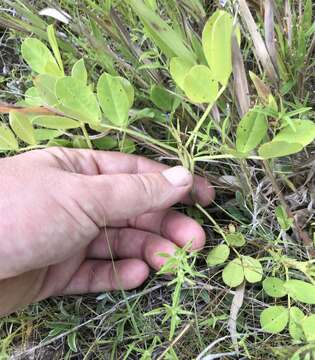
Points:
(270, 31)
(240, 79)
(259, 44)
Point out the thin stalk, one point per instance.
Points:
(223, 156)
(216, 226)
(143, 137)
(86, 136)
(203, 118)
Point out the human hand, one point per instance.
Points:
(65, 214)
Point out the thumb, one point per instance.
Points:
(123, 196)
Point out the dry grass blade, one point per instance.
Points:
(270, 31)
(259, 44)
(219, 356)
(210, 346)
(240, 79)
(7, 108)
(262, 89)
(288, 18)
(235, 308)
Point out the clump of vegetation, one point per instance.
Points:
(226, 90)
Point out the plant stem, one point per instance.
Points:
(223, 156)
(86, 136)
(203, 118)
(146, 138)
(216, 226)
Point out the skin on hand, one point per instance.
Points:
(65, 214)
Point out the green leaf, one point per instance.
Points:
(32, 97)
(55, 122)
(21, 125)
(274, 319)
(233, 273)
(235, 239)
(39, 57)
(301, 291)
(46, 134)
(179, 68)
(54, 45)
(217, 45)
(79, 143)
(162, 98)
(46, 88)
(274, 287)
(79, 71)
(308, 326)
(77, 100)
(253, 271)
(283, 219)
(127, 146)
(7, 139)
(113, 99)
(199, 85)
(289, 140)
(251, 130)
(304, 132)
(168, 40)
(218, 255)
(128, 89)
(275, 149)
(295, 328)
(105, 143)
(146, 113)
(60, 143)
(71, 341)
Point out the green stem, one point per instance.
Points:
(28, 148)
(203, 118)
(145, 138)
(86, 136)
(216, 226)
(223, 156)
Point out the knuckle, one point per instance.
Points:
(146, 185)
(148, 188)
(91, 277)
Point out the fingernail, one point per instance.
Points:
(178, 176)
